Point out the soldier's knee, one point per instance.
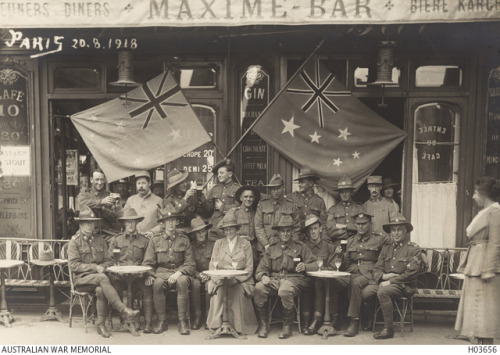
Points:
(99, 293)
(182, 284)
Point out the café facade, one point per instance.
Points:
(58, 58)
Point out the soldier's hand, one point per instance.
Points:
(189, 193)
(204, 278)
(385, 283)
(149, 234)
(341, 226)
(100, 269)
(338, 250)
(265, 280)
(173, 279)
(300, 267)
(218, 205)
(109, 201)
(266, 246)
(165, 285)
(149, 281)
(219, 282)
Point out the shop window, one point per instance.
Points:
(196, 77)
(77, 78)
(365, 75)
(439, 76)
(336, 66)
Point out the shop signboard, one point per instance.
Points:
(16, 204)
(492, 164)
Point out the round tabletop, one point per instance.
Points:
(329, 274)
(7, 264)
(48, 262)
(459, 276)
(225, 273)
(129, 269)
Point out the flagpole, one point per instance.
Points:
(318, 46)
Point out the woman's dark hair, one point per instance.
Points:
(489, 187)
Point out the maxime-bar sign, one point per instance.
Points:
(142, 13)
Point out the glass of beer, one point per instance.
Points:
(296, 262)
(116, 255)
(343, 245)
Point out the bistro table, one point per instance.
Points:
(460, 277)
(52, 313)
(5, 317)
(131, 272)
(225, 327)
(327, 327)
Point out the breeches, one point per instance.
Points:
(159, 298)
(286, 289)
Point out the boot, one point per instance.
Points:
(305, 320)
(368, 325)
(368, 316)
(286, 332)
(336, 322)
(263, 318)
(103, 331)
(183, 307)
(161, 327)
(129, 314)
(313, 328)
(196, 322)
(148, 315)
(386, 333)
(353, 328)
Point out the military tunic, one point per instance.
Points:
(226, 194)
(202, 252)
(193, 207)
(269, 211)
(167, 255)
(277, 263)
(380, 209)
(92, 198)
(307, 205)
(342, 213)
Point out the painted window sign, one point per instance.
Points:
(492, 163)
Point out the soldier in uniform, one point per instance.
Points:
(248, 197)
(103, 205)
(306, 201)
(144, 202)
(88, 259)
(171, 257)
(396, 270)
(221, 198)
(271, 208)
(360, 257)
(132, 247)
(323, 251)
(202, 252)
(340, 224)
(281, 271)
(377, 206)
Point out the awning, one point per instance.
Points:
(182, 13)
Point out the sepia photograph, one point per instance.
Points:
(249, 175)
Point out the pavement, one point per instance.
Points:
(29, 329)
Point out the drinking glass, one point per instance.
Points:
(116, 255)
(235, 264)
(216, 264)
(338, 262)
(320, 264)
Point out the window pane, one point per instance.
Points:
(77, 78)
(202, 77)
(438, 76)
(364, 75)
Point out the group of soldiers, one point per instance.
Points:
(288, 234)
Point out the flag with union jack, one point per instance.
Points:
(145, 128)
(315, 121)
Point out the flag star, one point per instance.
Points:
(175, 134)
(120, 126)
(92, 137)
(337, 162)
(93, 118)
(344, 133)
(315, 137)
(137, 161)
(290, 126)
(355, 155)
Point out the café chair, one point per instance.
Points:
(273, 302)
(403, 307)
(84, 298)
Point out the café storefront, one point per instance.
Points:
(58, 58)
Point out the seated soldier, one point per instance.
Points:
(88, 259)
(323, 251)
(132, 247)
(281, 271)
(171, 257)
(396, 270)
(202, 252)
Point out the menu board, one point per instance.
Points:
(492, 163)
(16, 203)
(254, 151)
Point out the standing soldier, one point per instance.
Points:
(306, 201)
(171, 257)
(281, 272)
(132, 247)
(396, 270)
(340, 224)
(322, 250)
(221, 198)
(98, 199)
(361, 255)
(377, 206)
(270, 210)
(202, 252)
(88, 259)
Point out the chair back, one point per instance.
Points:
(71, 284)
(10, 250)
(35, 248)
